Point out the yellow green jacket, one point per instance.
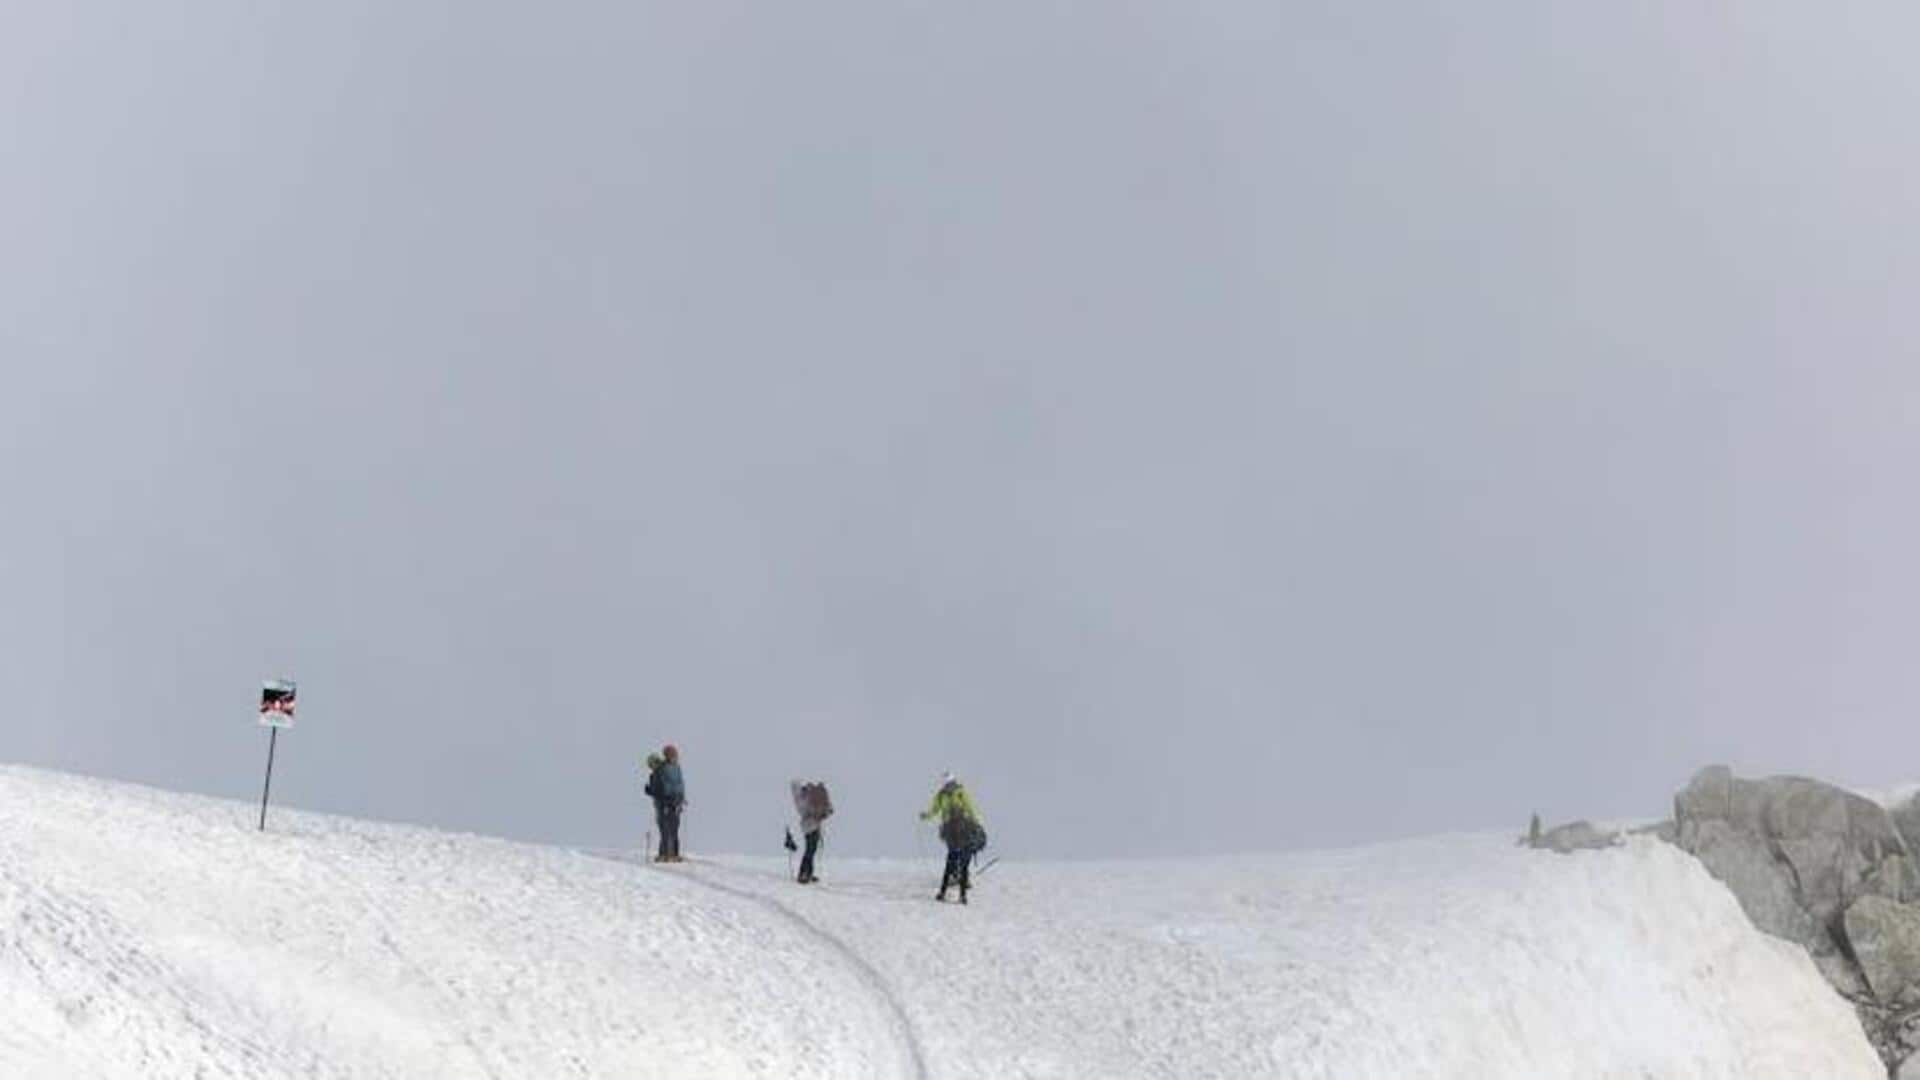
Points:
(951, 801)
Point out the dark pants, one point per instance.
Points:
(668, 817)
(806, 860)
(959, 862)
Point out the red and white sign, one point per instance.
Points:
(276, 703)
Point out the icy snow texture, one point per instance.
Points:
(152, 934)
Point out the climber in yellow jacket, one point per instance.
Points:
(960, 830)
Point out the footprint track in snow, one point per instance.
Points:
(906, 1037)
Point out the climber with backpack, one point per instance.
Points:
(668, 790)
(960, 830)
(814, 806)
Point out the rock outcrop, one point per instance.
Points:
(1885, 938)
(1826, 868)
(1571, 837)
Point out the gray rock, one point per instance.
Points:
(1839, 845)
(1885, 939)
(1906, 1035)
(1571, 837)
(1844, 976)
(1906, 820)
(1796, 852)
(1745, 863)
(1821, 866)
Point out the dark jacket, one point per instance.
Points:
(667, 786)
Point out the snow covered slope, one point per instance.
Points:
(152, 934)
(145, 934)
(1448, 957)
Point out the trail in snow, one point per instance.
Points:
(908, 1040)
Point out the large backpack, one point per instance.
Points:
(963, 833)
(815, 803)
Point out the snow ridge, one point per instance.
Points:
(150, 934)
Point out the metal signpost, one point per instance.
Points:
(276, 712)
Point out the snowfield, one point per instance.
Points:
(149, 934)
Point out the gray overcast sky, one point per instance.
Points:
(1203, 426)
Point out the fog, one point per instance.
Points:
(1204, 429)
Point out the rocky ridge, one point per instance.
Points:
(1817, 865)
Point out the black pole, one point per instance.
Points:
(272, 740)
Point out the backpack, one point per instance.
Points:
(819, 803)
(962, 833)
